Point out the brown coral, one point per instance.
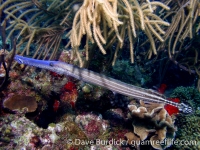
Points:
(153, 124)
(18, 102)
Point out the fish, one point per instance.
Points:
(102, 80)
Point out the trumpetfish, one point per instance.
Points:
(102, 80)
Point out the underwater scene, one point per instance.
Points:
(99, 74)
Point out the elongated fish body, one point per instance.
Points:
(101, 80)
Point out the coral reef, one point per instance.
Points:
(105, 36)
(104, 24)
(155, 125)
(151, 122)
(18, 132)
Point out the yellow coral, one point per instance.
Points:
(87, 21)
(95, 16)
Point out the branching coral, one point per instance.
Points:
(36, 22)
(109, 24)
(180, 38)
(184, 15)
(103, 20)
(88, 20)
(153, 23)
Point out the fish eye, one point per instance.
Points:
(51, 64)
